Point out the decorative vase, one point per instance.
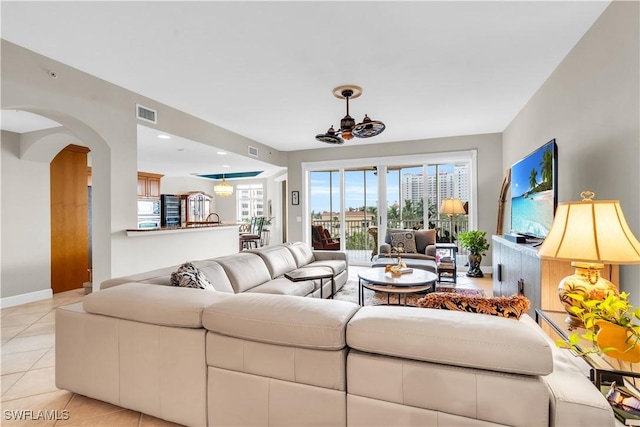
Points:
(587, 282)
(474, 265)
(619, 340)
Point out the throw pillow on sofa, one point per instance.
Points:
(188, 276)
(403, 242)
(512, 307)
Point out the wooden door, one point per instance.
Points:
(69, 219)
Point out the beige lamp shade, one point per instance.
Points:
(223, 189)
(591, 231)
(452, 207)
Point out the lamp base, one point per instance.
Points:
(586, 282)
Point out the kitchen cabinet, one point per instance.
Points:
(149, 185)
(517, 269)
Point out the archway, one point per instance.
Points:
(42, 146)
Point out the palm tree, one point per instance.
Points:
(547, 165)
(533, 178)
(393, 215)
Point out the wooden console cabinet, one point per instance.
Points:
(517, 269)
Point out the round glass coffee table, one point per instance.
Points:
(409, 283)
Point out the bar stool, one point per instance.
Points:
(252, 238)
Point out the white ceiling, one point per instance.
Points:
(266, 70)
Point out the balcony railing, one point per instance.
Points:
(359, 234)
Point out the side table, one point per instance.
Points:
(447, 267)
(602, 368)
(313, 273)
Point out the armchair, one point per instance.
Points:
(321, 238)
(425, 244)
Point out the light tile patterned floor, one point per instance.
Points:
(28, 374)
(28, 371)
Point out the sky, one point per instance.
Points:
(521, 171)
(355, 185)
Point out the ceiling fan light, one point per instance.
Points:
(347, 123)
(348, 128)
(368, 128)
(331, 137)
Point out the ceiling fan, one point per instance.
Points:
(348, 127)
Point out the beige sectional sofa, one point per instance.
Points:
(259, 270)
(222, 358)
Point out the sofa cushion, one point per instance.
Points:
(147, 303)
(284, 286)
(452, 338)
(189, 276)
(245, 270)
(282, 319)
(512, 307)
(278, 258)
(424, 238)
(301, 253)
(336, 265)
(403, 242)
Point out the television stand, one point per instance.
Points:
(518, 269)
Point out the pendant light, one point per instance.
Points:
(223, 189)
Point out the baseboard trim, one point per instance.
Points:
(25, 298)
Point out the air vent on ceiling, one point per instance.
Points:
(253, 151)
(146, 114)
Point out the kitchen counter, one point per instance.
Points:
(192, 227)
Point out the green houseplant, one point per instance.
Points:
(610, 325)
(476, 242)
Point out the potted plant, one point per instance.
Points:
(476, 242)
(610, 326)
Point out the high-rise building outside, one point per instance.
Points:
(444, 185)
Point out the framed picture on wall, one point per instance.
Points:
(295, 197)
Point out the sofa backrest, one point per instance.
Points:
(423, 238)
(215, 275)
(278, 258)
(452, 338)
(152, 304)
(301, 253)
(245, 270)
(160, 276)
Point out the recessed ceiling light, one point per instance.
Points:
(226, 166)
(162, 136)
(222, 153)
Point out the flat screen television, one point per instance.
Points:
(534, 192)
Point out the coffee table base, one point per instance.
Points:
(378, 280)
(390, 290)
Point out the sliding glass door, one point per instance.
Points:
(357, 202)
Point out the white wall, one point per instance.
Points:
(590, 104)
(185, 184)
(102, 117)
(25, 265)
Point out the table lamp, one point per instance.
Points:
(451, 207)
(589, 233)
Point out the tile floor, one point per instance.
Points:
(28, 374)
(28, 371)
